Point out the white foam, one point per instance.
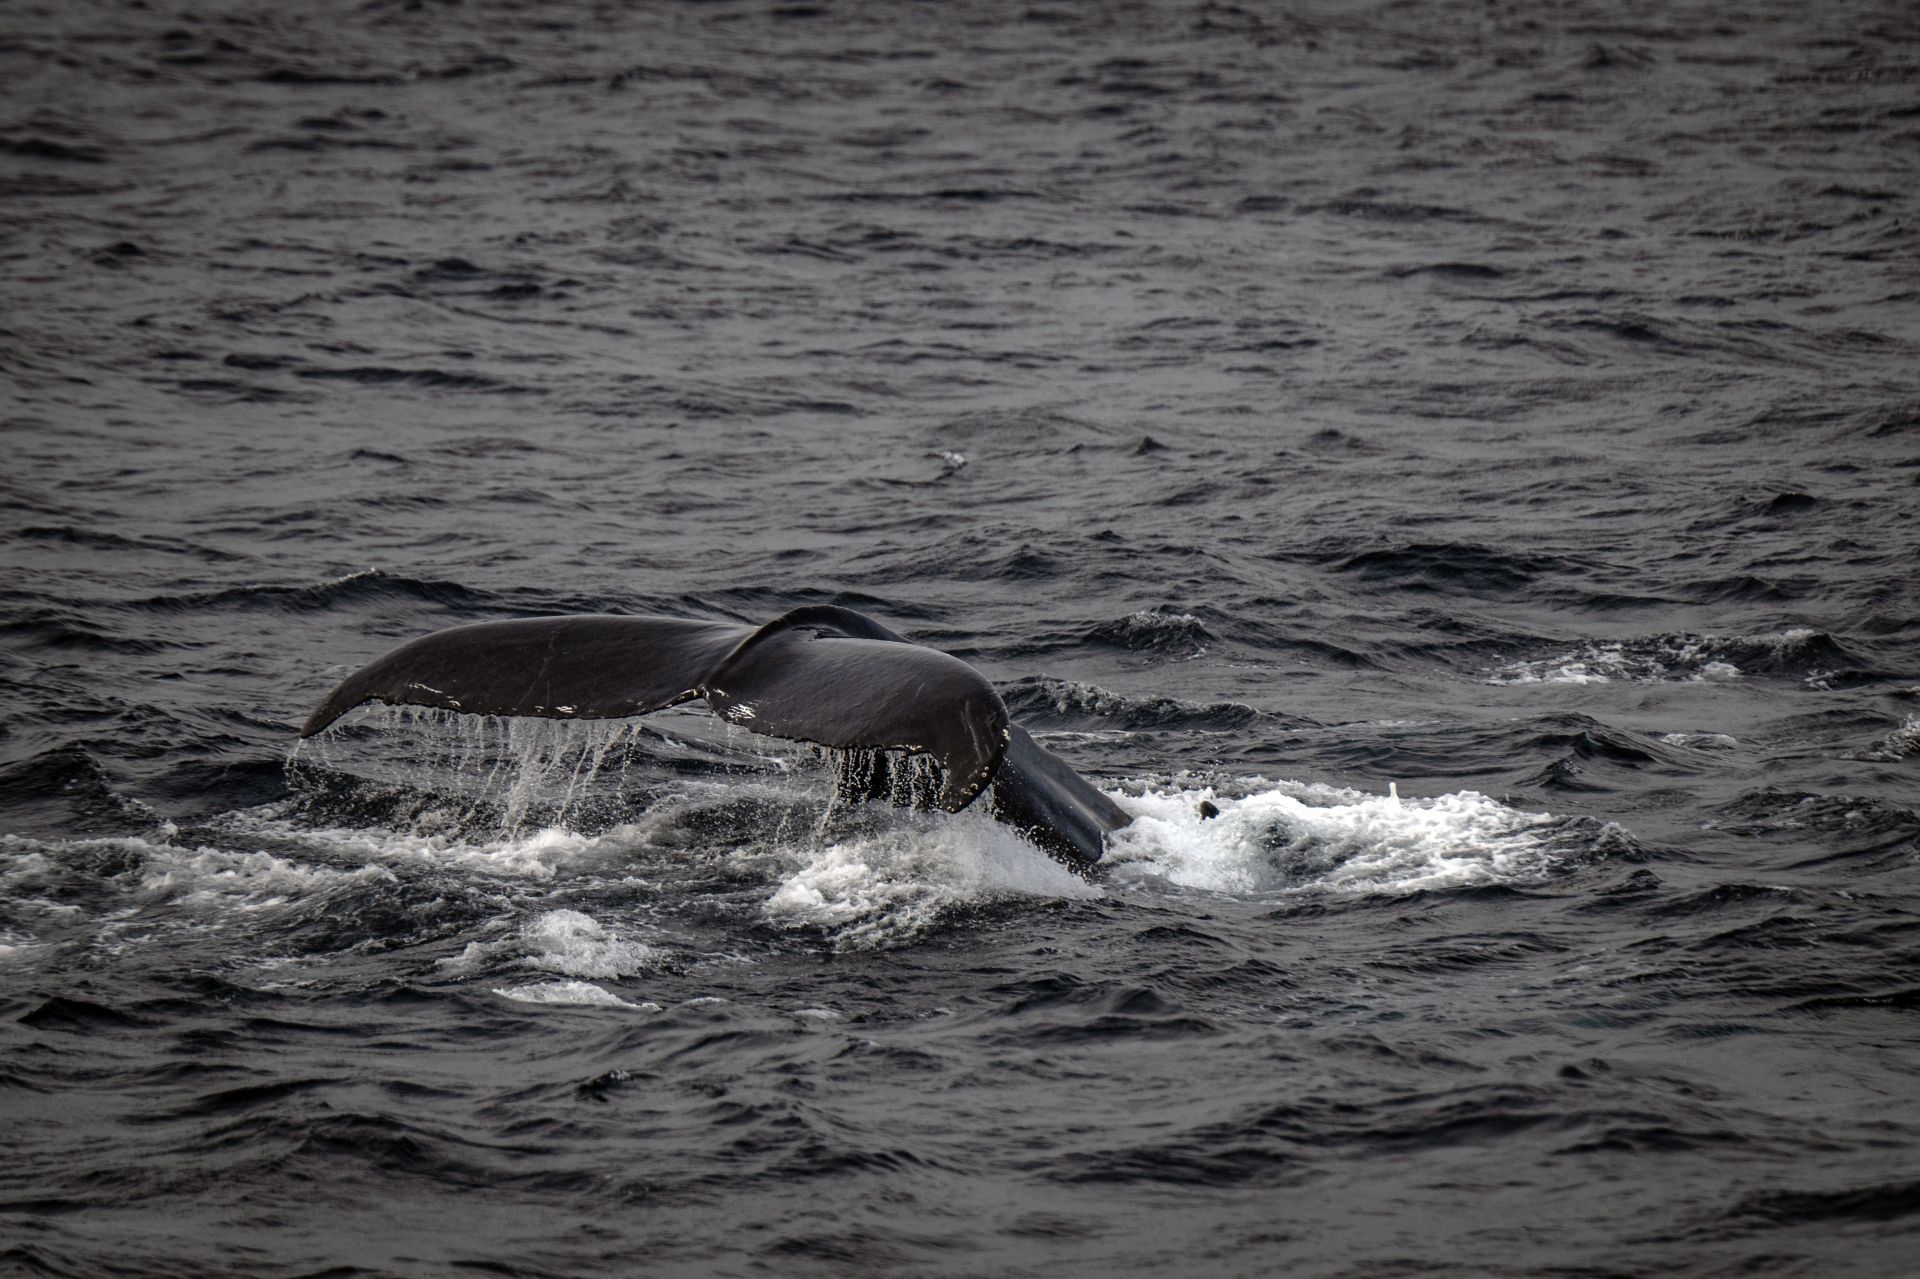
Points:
(197, 876)
(540, 854)
(1301, 838)
(580, 994)
(23, 865)
(883, 888)
(566, 941)
(562, 941)
(229, 880)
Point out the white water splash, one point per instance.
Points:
(193, 877)
(567, 941)
(895, 875)
(517, 762)
(563, 941)
(227, 880)
(1300, 838)
(888, 886)
(540, 854)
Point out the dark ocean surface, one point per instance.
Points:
(1516, 406)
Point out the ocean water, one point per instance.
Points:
(1475, 446)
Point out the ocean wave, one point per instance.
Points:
(1902, 742)
(428, 379)
(1046, 701)
(1457, 567)
(366, 586)
(1154, 631)
(1812, 656)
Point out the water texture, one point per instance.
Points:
(1473, 446)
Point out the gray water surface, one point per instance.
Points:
(1472, 445)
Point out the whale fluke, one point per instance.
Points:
(819, 674)
(592, 667)
(817, 685)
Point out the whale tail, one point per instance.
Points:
(819, 674)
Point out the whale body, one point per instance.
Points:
(819, 674)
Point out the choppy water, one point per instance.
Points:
(1514, 407)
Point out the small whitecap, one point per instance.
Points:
(1701, 741)
(470, 960)
(567, 941)
(579, 994)
(817, 1014)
